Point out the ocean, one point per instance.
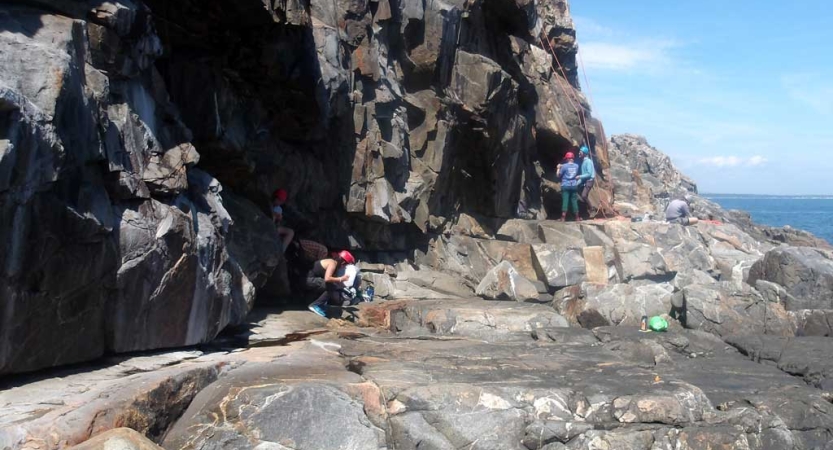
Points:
(810, 213)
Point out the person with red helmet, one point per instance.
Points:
(323, 275)
(568, 172)
(287, 234)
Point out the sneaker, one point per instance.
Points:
(318, 310)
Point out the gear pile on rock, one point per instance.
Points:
(140, 142)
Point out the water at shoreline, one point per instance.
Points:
(806, 212)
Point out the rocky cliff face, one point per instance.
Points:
(140, 142)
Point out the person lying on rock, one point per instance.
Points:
(568, 172)
(587, 178)
(278, 199)
(679, 211)
(323, 277)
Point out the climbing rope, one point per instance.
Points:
(572, 97)
(571, 94)
(586, 82)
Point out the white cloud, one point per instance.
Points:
(589, 28)
(733, 161)
(646, 55)
(756, 160)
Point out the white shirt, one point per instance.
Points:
(350, 270)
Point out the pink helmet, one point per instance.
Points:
(347, 257)
(569, 155)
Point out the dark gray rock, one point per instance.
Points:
(805, 273)
(813, 322)
(810, 358)
(560, 267)
(725, 310)
(116, 242)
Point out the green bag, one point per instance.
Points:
(657, 323)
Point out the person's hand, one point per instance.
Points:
(344, 278)
(558, 167)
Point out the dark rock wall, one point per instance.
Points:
(111, 240)
(139, 143)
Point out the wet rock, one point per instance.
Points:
(805, 273)
(505, 283)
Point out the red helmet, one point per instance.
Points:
(280, 195)
(347, 257)
(569, 155)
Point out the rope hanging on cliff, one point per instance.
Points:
(586, 82)
(571, 96)
(580, 111)
(590, 95)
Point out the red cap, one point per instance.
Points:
(347, 257)
(569, 155)
(280, 194)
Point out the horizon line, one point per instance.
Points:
(706, 194)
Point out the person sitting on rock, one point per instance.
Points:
(587, 178)
(348, 293)
(323, 277)
(568, 172)
(679, 211)
(287, 234)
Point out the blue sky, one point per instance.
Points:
(739, 93)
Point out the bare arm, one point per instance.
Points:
(330, 271)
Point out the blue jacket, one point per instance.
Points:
(568, 175)
(588, 170)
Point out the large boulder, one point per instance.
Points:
(806, 273)
(504, 282)
(637, 256)
(592, 305)
(724, 310)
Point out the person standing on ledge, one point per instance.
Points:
(588, 174)
(568, 172)
(679, 211)
(287, 234)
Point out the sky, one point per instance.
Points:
(739, 93)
